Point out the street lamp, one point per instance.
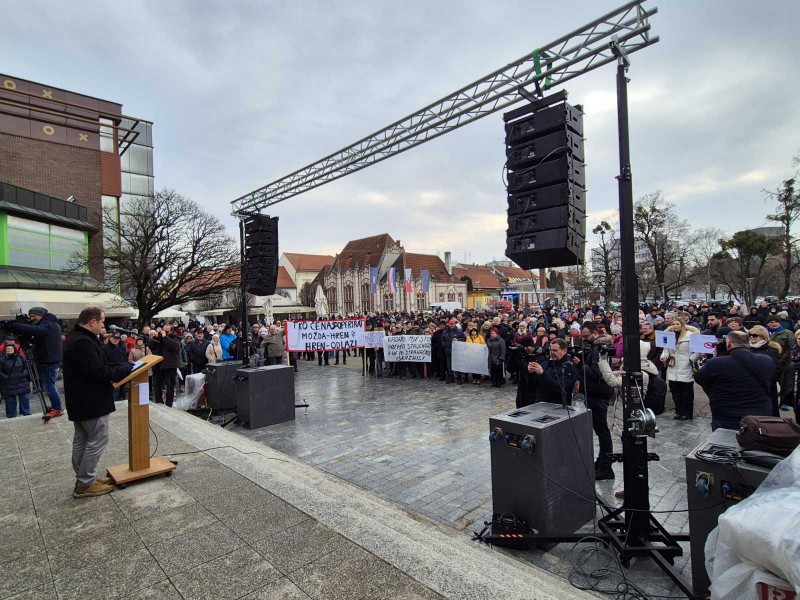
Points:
(749, 298)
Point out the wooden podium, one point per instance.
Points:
(140, 464)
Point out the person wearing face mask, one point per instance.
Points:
(15, 381)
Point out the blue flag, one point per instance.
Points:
(373, 280)
(425, 275)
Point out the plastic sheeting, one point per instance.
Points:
(758, 540)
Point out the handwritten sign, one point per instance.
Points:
(470, 358)
(702, 344)
(665, 339)
(339, 334)
(374, 339)
(407, 348)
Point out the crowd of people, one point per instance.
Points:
(550, 354)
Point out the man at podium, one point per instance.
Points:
(90, 399)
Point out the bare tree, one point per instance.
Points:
(668, 240)
(307, 293)
(606, 260)
(166, 251)
(705, 251)
(787, 212)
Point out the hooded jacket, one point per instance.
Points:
(14, 377)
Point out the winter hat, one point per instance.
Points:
(494, 330)
(37, 310)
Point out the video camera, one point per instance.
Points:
(5, 330)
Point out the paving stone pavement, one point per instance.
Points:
(424, 444)
(206, 532)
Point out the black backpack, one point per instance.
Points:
(656, 395)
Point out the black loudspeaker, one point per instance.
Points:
(546, 184)
(261, 255)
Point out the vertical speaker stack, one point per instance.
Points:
(546, 184)
(260, 271)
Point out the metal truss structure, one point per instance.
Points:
(570, 56)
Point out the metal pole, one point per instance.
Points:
(634, 449)
(244, 352)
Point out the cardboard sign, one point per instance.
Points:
(310, 336)
(374, 339)
(407, 348)
(702, 344)
(665, 339)
(470, 358)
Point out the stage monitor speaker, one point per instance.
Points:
(542, 471)
(261, 255)
(265, 395)
(220, 393)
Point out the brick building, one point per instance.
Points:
(347, 281)
(64, 157)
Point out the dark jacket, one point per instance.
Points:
(14, 377)
(753, 319)
(449, 336)
(196, 352)
(168, 346)
(46, 338)
(557, 381)
(732, 392)
(88, 376)
(528, 383)
(116, 355)
(497, 351)
(596, 387)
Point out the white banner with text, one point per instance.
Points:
(310, 336)
(407, 348)
(470, 358)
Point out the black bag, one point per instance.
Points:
(771, 434)
(656, 395)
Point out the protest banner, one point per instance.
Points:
(702, 344)
(310, 336)
(470, 358)
(407, 348)
(374, 339)
(665, 339)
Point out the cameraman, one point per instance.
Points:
(598, 397)
(46, 334)
(556, 376)
(168, 345)
(528, 382)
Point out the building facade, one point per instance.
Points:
(347, 282)
(64, 156)
(302, 269)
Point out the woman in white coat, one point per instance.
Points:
(679, 369)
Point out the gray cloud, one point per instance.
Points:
(242, 93)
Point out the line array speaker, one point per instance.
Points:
(261, 255)
(546, 184)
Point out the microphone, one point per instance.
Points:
(118, 329)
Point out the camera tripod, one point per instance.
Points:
(36, 380)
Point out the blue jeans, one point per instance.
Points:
(11, 405)
(48, 373)
(724, 424)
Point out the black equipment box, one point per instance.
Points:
(265, 395)
(536, 452)
(548, 218)
(708, 484)
(548, 173)
(548, 197)
(551, 248)
(219, 384)
(547, 147)
(558, 117)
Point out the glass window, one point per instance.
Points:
(139, 185)
(42, 246)
(23, 258)
(107, 136)
(138, 157)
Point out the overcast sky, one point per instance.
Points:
(242, 93)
